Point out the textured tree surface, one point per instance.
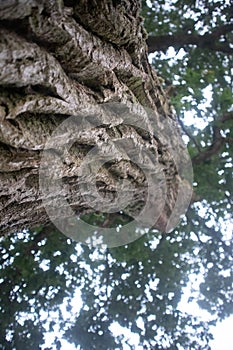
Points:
(60, 60)
(55, 292)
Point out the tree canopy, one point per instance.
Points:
(50, 284)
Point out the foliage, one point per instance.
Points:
(139, 286)
(200, 81)
(139, 282)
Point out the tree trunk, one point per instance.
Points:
(82, 61)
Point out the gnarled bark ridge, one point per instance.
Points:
(59, 60)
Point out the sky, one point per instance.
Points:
(223, 335)
(222, 332)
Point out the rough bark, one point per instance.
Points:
(60, 60)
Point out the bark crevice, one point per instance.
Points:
(59, 61)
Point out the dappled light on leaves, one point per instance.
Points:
(129, 296)
(142, 281)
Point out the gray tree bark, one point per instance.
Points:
(69, 59)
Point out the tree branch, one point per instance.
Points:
(221, 30)
(218, 142)
(218, 139)
(208, 40)
(191, 137)
(227, 116)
